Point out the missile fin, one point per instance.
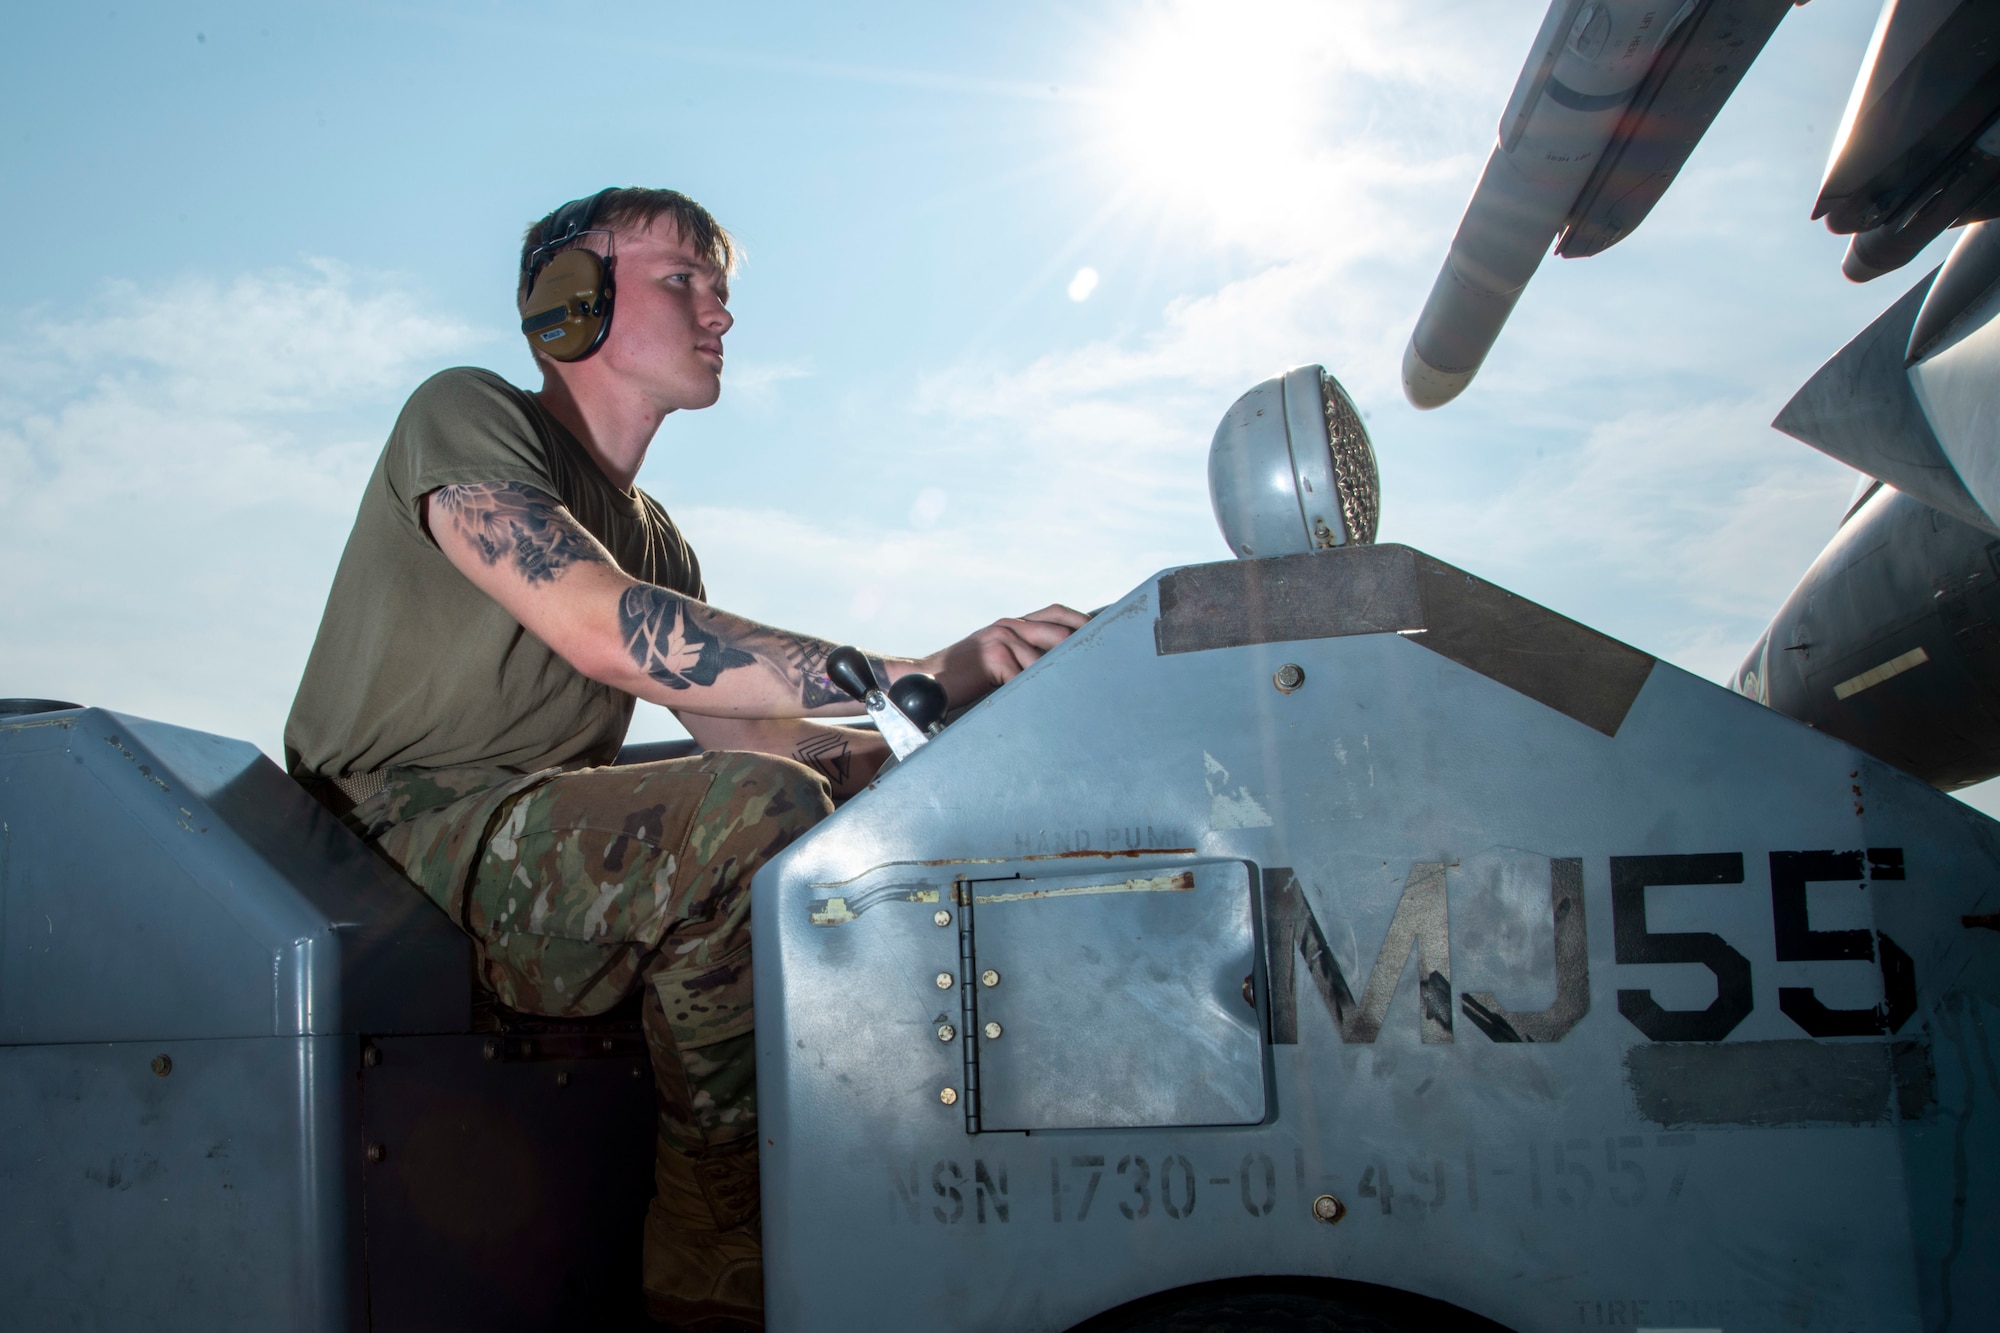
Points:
(1860, 409)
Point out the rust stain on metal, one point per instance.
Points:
(1089, 851)
(997, 860)
(840, 911)
(64, 722)
(1182, 882)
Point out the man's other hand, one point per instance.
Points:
(978, 664)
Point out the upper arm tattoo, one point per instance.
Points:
(505, 520)
(665, 642)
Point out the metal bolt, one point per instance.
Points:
(1329, 1209)
(992, 1031)
(942, 917)
(607, 1045)
(371, 1055)
(989, 977)
(562, 1079)
(1288, 677)
(163, 1065)
(946, 1032)
(944, 981)
(949, 1096)
(491, 1050)
(377, 1152)
(638, 1072)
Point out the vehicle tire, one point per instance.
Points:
(1287, 1305)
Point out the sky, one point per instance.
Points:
(1007, 266)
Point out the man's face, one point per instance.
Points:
(667, 322)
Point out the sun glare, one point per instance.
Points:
(1210, 106)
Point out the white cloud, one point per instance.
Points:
(178, 470)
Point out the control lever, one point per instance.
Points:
(910, 713)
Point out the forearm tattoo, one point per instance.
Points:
(828, 752)
(661, 634)
(504, 520)
(806, 658)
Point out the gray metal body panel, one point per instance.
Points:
(1444, 863)
(218, 1109)
(207, 1198)
(157, 882)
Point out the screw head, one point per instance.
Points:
(163, 1065)
(607, 1045)
(1288, 677)
(491, 1050)
(371, 1056)
(562, 1079)
(944, 981)
(946, 1032)
(992, 1031)
(377, 1152)
(1329, 1209)
(989, 977)
(949, 1096)
(942, 917)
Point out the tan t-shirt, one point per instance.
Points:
(414, 666)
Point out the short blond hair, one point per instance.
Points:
(634, 208)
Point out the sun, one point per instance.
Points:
(1208, 108)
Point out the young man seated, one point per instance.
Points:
(506, 593)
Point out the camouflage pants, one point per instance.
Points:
(578, 887)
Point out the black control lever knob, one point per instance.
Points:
(921, 698)
(848, 668)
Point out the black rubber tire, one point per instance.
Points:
(1282, 1305)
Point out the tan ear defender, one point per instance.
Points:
(568, 310)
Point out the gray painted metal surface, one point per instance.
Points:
(217, 1110)
(205, 1198)
(1666, 1019)
(1291, 469)
(161, 882)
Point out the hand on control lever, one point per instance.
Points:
(978, 664)
(907, 716)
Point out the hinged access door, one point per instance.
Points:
(1120, 997)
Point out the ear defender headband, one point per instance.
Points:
(568, 310)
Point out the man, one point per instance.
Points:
(505, 595)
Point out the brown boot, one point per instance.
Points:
(703, 1265)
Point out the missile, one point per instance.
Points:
(1889, 642)
(1613, 98)
(1919, 146)
(1911, 399)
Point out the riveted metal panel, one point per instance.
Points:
(1118, 998)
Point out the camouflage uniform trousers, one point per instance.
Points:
(578, 887)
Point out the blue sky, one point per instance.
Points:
(245, 232)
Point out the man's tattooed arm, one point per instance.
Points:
(829, 750)
(667, 640)
(680, 642)
(528, 553)
(505, 521)
(806, 657)
(846, 757)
